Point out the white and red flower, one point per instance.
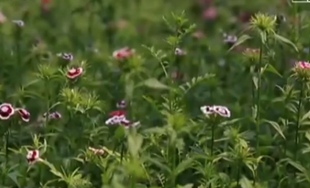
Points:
(215, 110)
(74, 72)
(66, 56)
(33, 156)
(24, 114)
(123, 53)
(6, 111)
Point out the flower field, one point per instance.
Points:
(154, 94)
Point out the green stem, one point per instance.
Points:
(212, 139)
(298, 119)
(257, 101)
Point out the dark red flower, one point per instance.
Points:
(24, 114)
(6, 111)
(118, 113)
(74, 72)
(33, 156)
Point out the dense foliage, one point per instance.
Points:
(154, 93)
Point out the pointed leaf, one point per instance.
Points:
(285, 40)
(155, 84)
(276, 126)
(272, 69)
(240, 40)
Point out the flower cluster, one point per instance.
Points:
(7, 111)
(123, 53)
(302, 69)
(222, 111)
(251, 53)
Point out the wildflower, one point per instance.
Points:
(24, 114)
(251, 53)
(210, 13)
(97, 151)
(123, 53)
(6, 111)
(74, 72)
(115, 120)
(19, 23)
(179, 52)
(121, 104)
(66, 56)
(53, 115)
(33, 156)
(302, 69)
(230, 40)
(215, 110)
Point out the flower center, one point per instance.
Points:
(5, 109)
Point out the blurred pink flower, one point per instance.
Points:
(74, 72)
(198, 34)
(210, 13)
(123, 53)
(2, 18)
(215, 110)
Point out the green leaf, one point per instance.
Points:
(185, 164)
(276, 126)
(155, 84)
(245, 183)
(306, 116)
(134, 144)
(240, 40)
(272, 69)
(285, 40)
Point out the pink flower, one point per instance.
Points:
(302, 65)
(2, 18)
(215, 110)
(74, 72)
(210, 13)
(24, 114)
(115, 120)
(33, 156)
(123, 53)
(6, 111)
(118, 113)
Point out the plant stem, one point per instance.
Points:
(257, 101)
(300, 99)
(212, 138)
